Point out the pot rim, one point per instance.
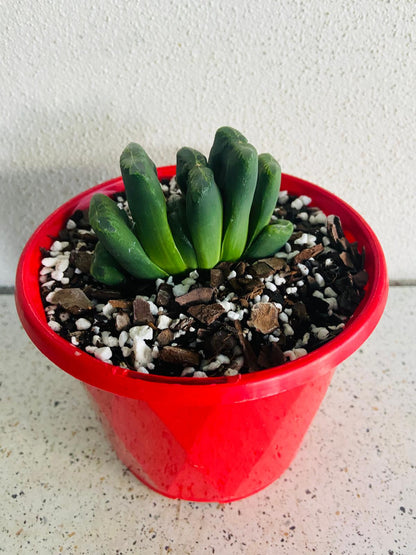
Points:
(241, 387)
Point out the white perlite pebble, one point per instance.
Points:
(288, 330)
(200, 374)
(232, 274)
(141, 332)
(332, 302)
(235, 315)
(122, 338)
(303, 269)
(319, 280)
(226, 305)
(70, 224)
(57, 275)
(329, 292)
(297, 204)
(230, 372)
(303, 216)
(59, 245)
(273, 339)
(48, 262)
(126, 351)
(82, 324)
(103, 353)
(142, 370)
(305, 200)
(317, 218)
(319, 332)
(283, 197)
(302, 240)
(50, 295)
(96, 339)
(211, 365)
(108, 339)
(142, 353)
(188, 281)
(271, 286)
(295, 353)
(108, 310)
(279, 280)
(62, 264)
(180, 289)
(163, 322)
(283, 317)
(55, 326)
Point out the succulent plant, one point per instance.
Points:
(222, 212)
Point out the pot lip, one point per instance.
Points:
(262, 383)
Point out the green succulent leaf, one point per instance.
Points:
(234, 162)
(148, 209)
(105, 268)
(186, 159)
(225, 137)
(265, 196)
(112, 230)
(270, 240)
(204, 215)
(176, 208)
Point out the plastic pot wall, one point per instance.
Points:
(206, 439)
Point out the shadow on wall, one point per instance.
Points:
(28, 197)
(50, 158)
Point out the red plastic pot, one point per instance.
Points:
(206, 439)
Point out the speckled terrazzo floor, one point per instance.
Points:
(351, 488)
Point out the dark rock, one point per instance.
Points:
(222, 340)
(72, 299)
(165, 337)
(81, 260)
(250, 358)
(264, 317)
(141, 312)
(270, 355)
(207, 314)
(216, 277)
(247, 288)
(177, 355)
(196, 296)
(310, 252)
(164, 294)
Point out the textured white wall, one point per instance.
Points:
(327, 87)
